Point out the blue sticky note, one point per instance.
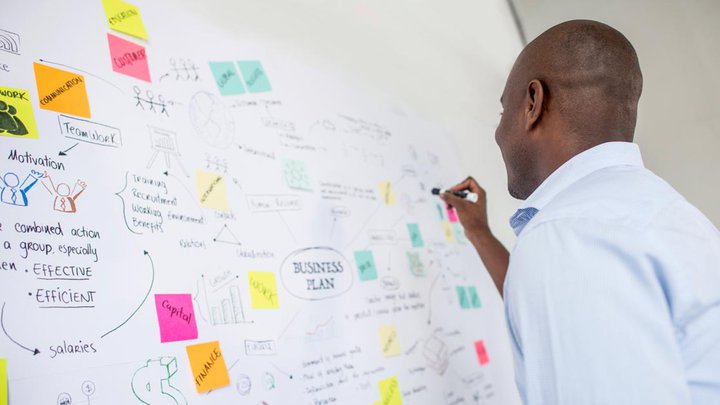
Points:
(474, 297)
(463, 297)
(226, 78)
(365, 265)
(254, 75)
(415, 236)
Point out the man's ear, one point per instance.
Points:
(535, 103)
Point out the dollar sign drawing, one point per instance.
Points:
(151, 383)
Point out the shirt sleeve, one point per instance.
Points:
(589, 319)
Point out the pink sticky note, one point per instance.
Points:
(452, 214)
(128, 58)
(176, 317)
(481, 353)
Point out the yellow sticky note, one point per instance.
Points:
(263, 293)
(61, 91)
(389, 341)
(211, 190)
(208, 366)
(16, 114)
(448, 231)
(387, 194)
(3, 382)
(390, 392)
(124, 17)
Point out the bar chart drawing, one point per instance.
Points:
(222, 305)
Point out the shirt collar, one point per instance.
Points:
(598, 157)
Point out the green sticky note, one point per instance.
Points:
(254, 75)
(474, 297)
(417, 268)
(3, 382)
(365, 265)
(415, 235)
(463, 297)
(296, 175)
(227, 78)
(441, 212)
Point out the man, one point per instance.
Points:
(612, 293)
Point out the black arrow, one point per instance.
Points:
(64, 152)
(152, 282)
(2, 323)
(192, 196)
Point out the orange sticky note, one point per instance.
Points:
(61, 91)
(208, 366)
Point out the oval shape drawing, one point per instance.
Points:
(316, 273)
(340, 211)
(390, 283)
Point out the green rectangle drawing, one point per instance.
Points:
(227, 78)
(254, 75)
(474, 297)
(365, 265)
(463, 297)
(415, 235)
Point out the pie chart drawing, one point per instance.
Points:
(212, 120)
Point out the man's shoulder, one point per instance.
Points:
(629, 197)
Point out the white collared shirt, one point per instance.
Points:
(613, 290)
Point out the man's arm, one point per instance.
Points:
(27, 184)
(473, 217)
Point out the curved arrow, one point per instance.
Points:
(2, 323)
(84, 71)
(152, 282)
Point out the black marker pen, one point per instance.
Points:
(467, 195)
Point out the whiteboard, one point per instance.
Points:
(195, 198)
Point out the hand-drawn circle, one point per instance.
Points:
(332, 275)
(64, 399)
(88, 388)
(243, 384)
(212, 120)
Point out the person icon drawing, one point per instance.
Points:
(64, 196)
(15, 193)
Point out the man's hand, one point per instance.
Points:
(474, 219)
(473, 216)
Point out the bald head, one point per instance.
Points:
(575, 86)
(591, 75)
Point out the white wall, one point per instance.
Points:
(678, 43)
(446, 61)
